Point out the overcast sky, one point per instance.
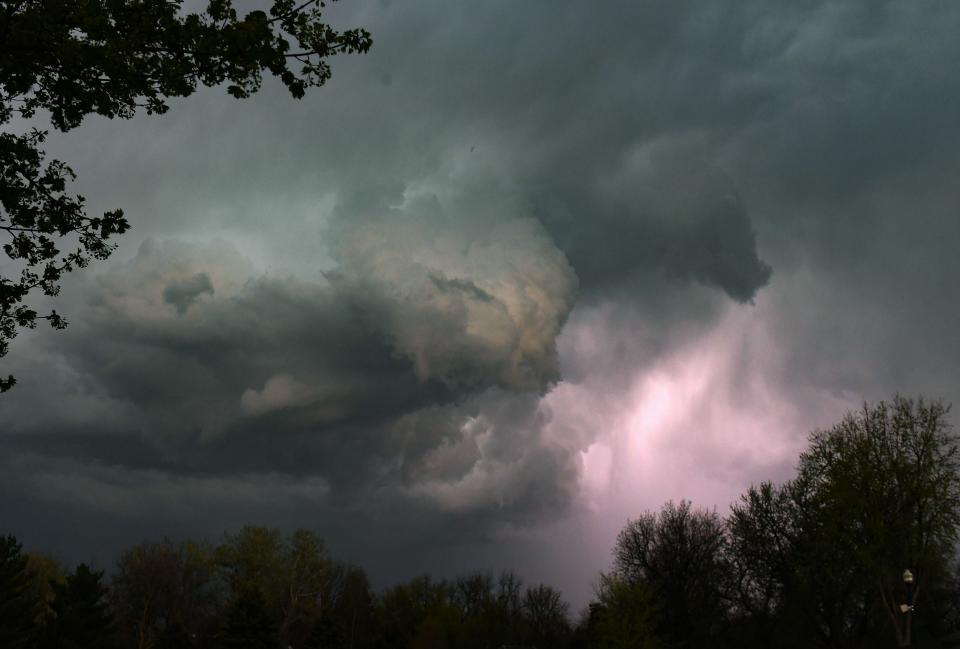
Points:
(520, 273)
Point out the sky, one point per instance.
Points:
(522, 272)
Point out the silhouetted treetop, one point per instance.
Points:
(18, 606)
(111, 57)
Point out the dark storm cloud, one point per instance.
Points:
(337, 378)
(587, 120)
(555, 107)
(407, 246)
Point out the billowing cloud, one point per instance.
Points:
(466, 310)
(481, 281)
(497, 458)
(221, 367)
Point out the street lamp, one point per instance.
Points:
(907, 609)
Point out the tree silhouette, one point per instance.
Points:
(249, 624)
(164, 592)
(819, 559)
(622, 618)
(293, 573)
(81, 616)
(545, 614)
(325, 634)
(45, 574)
(72, 59)
(678, 556)
(18, 607)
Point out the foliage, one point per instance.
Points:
(677, 555)
(81, 615)
(824, 553)
(545, 614)
(400, 610)
(622, 616)
(69, 59)
(325, 634)
(249, 624)
(352, 605)
(46, 574)
(18, 608)
(474, 610)
(35, 211)
(765, 559)
(251, 560)
(294, 574)
(165, 593)
(889, 474)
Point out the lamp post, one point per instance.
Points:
(907, 609)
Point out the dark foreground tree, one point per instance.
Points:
(325, 634)
(18, 607)
(249, 625)
(621, 618)
(772, 602)
(298, 580)
(545, 613)
(45, 574)
(819, 560)
(402, 609)
(678, 557)
(81, 616)
(70, 59)
(165, 594)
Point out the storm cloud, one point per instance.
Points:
(517, 274)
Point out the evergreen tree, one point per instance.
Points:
(17, 607)
(325, 635)
(175, 637)
(249, 625)
(81, 616)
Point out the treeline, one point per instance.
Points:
(261, 589)
(817, 561)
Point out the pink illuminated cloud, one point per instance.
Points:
(701, 421)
